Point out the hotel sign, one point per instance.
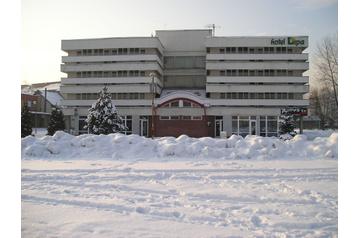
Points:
(294, 41)
(295, 111)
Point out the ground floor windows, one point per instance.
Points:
(255, 125)
(127, 120)
(81, 124)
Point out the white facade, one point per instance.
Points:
(242, 83)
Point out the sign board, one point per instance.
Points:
(295, 111)
(289, 41)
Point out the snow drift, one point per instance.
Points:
(118, 146)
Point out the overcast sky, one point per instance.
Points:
(46, 22)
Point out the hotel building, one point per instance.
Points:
(202, 84)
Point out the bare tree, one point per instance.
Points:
(327, 65)
(324, 97)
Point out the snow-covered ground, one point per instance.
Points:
(131, 186)
(186, 198)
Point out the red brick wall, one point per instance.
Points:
(192, 128)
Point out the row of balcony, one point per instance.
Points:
(301, 57)
(220, 88)
(257, 65)
(101, 58)
(111, 80)
(143, 66)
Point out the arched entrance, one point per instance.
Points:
(182, 114)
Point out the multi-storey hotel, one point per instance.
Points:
(202, 84)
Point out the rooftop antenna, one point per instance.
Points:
(213, 27)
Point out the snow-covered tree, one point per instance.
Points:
(103, 117)
(26, 122)
(287, 123)
(57, 122)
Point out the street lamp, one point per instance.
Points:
(152, 89)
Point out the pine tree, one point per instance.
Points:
(287, 123)
(103, 117)
(26, 122)
(57, 122)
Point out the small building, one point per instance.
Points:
(41, 99)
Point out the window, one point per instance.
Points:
(131, 51)
(142, 51)
(174, 104)
(106, 52)
(272, 126)
(222, 73)
(114, 51)
(128, 123)
(222, 50)
(234, 122)
(197, 118)
(222, 95)
(142, 73)
(186, 117)
(164, 118)
(120, 51)
(186, 104)
(244, 128)
(263, 125)
(125, 51)
(174, 118)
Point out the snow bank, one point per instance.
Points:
(118, 146)
(312, 134)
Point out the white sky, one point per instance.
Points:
(46, 22)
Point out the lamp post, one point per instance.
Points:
(152, 89)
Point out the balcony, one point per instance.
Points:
(302, 57)
(257, 65)
(263, 79)
(219, 88)
(125, 88)
(110, 80)
(259, 102)
(101, 58)
(88, 103)
(144, 66)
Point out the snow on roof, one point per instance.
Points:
(53, 97)
(53, 87)
(197, 92)
(169, 94)
(31, 89)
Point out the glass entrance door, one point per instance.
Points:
(252, 127)
(143, 126)
(218, 126)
